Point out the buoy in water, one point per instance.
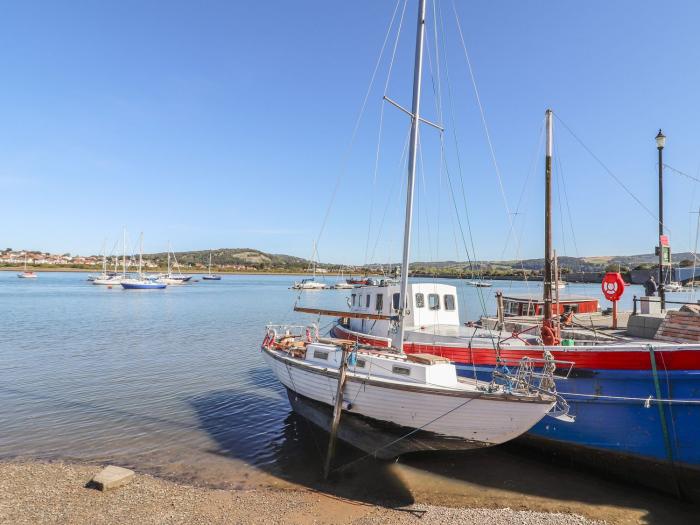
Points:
(109, 286)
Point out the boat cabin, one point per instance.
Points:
(429, 304)
(529, 305)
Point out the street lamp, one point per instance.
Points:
(660, 140)
(660, 143)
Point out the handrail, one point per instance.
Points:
(655, 299)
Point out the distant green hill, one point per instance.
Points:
(234, 256)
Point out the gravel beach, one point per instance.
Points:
(38, 493)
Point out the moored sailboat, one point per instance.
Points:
(142, 282)
(382, 386)
(210, 276)
(26, 274)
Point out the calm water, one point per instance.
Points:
(169, 381)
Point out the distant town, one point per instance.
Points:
(635, 268)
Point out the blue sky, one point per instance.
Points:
(226, 124)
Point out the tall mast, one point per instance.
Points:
(140, 253)
(415, 120)
(124, 249)
(547, 278)
(169, 249)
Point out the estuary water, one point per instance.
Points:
(172, 382)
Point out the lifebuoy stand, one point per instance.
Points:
(613, 286)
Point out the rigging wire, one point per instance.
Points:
(568, 207)
(381, 125)
(487, 133)
(360, 115)
(609, 172)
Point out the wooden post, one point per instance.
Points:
(337, 409)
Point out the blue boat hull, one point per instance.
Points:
(627, 430)
(143, 286)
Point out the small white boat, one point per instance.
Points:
(108, 280)
(480, 284)
(343, 285)
(308, 284)
(26, 274)
(674, 287)
(171, 277)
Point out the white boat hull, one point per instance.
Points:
(478, 417)
(107, 282)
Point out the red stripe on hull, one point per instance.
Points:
(610, 359)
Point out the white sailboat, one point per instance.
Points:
(171, 277)
(25, 274)
(310, 283)
(375, 389)
(107, 278)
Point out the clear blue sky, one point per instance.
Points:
(224, 124)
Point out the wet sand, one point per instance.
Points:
(38, 493)
(55, 492)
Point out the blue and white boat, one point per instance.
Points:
(143, 282)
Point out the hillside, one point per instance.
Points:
(224, 257)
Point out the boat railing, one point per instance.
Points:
(656, 299)
(532, 374)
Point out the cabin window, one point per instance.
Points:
(318, 354)
(449, 302)
(529, 309)
(354, 297)
(401, 370)
(396, 299)
(433, 301)
(360, 363)
(420, 300)
(380, 302)
(368, 298)
(359, 301)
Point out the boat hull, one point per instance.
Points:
(476, 417)
(211, 277)
(379, 438)
(143, 286)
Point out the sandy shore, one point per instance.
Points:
(38, 493)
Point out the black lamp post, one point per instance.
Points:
(660, 143)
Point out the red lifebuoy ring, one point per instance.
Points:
(613, 286)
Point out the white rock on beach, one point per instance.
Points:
(112, 477)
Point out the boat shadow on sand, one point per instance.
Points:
(507, 476)
(294, 449)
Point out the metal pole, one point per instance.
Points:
(662, 292)
(415, 121)
(547, 278)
